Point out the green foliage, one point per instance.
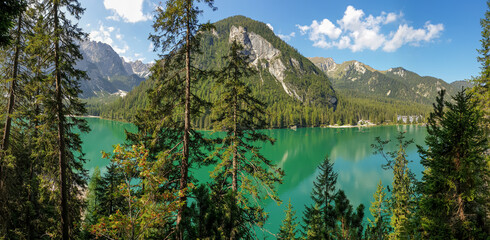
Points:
(288, 228)
(251, 175)
(9, 10)
(481, 88)
(349, 222)
(323, 196)
(379, 226)
(331, 215)
(455, 188)
(404, 198)
(147, 208)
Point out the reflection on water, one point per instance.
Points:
(298, 153)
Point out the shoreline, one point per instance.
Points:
(324, 126)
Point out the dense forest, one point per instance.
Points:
(147, 191)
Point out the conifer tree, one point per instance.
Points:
(481, 89)
(323, 197)
(147, 208)
(288, 227)
(61, 98)
(172, 102)
(18, 47)
(404, 198)
(240, 116)
(314, 225)
(379, 226)
(349, 222)
(9, 10)
(455, 188)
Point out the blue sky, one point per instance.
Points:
(432, 38)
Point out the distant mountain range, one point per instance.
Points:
(397, 83)
(298, 90)
(108, 72)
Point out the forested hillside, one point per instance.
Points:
(297, 92)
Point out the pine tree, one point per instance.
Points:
(455, 189)
(148, 209)
(240, 115)
(323, 196)
(349, 222)
(404, 198)
(314, 226)
(288, 227)
(61, 98)
(379, 227)
(481, 89)
(9, 10)
(176, 34)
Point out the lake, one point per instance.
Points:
(298, 152)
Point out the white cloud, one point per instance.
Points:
(287, 37)
(121, 50)
(127, 10)
(408, 35)
(151, 47)
(103, 34)
(270, 26)
(358, 32)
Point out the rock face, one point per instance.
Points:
(137, 67)
(262, 53)
(107, 72)
(325, 64)
(106, 59)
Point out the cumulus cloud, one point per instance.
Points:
(105, 35)
(357, 32)
(287, 37)
(102, 34)
(127, 10)
(270, 26)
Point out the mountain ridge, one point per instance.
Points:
(396, 82)
(107, 72)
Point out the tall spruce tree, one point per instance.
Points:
(349, 222)
(288, 228)
(481, 89)
(379, 226)
(62, 101)
(240, 115)
(323, 197)
(404, 197)
(173, 106)
(455, 188)
(11, 62)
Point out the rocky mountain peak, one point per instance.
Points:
(263, 54)
(137, 67)
(356, 66)
(398, 71)
(107, 60)
(325, 64)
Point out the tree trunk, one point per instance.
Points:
(235, 165)
(10, 108)
(61, 135)
(184, 165)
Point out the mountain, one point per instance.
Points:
(286, 80)
(397, 83)
(458, 85)
(137, 67)
(107, 72)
